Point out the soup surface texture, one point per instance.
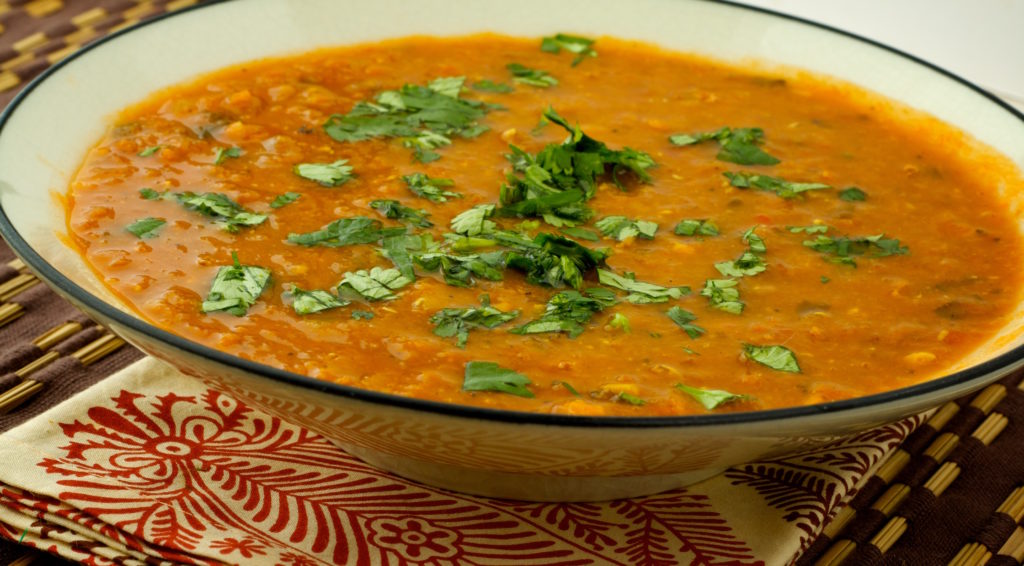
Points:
(561, 226)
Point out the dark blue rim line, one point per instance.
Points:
(48, 272)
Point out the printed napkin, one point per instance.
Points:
(151, 466)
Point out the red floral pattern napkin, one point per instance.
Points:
(151, 467)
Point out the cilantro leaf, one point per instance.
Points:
(737, 145)
(694, 227)
(844, 248)
(776, 357)
(816, 229)
(621, 322)
(581, 46)
(149, 194)
(621, 228)
(430, 189)
(284, 199)
(327, 174)
(221, 154)
(852, 194)
(317, 300)
(568, 311)
(630, 399)
(396, 211)
(228, 213)
(425, 117)
(683, 318)
(235, 288)
(397, 248)
(781, 187)
(374, 285)
(750, 262)
(723, 295)
(150, 150)
(711, 399)
(474, 220)
(491, 86)
(459, 321)
(461, 270)
(146, 227)
(362, 315)
(581, 233)
(640, 292)
(345, 232)
(532, 77)
(489, 376)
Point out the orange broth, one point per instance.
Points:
(884, 323)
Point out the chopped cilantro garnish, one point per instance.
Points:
(750, 262)
(149, 194)
(532, 77)
(398, 248)
(581, 233)
(738, 145)
(374, 285)
(556, 182)
(474, 221)
(223, 153)
(620, 322)
(776, 357)
(711, 399)
(425, 117)
(345, 232)
(852, 194)
(630, 399)
(781, 187)
(722, 294)
(639, 291)
(568, 387)
(228, 213)
(284, 199)
(684, 318)
(396, 211)
(429, 188)
(461, 270)
(550, 260)
(487, 85)
(362, 315)
(327, 174)
(824, 279)
(236, 288)
(459, 321)
(844, 248)
(621, 228)
(568, 311)
(816, 229)
(694, 227)
(317, 300)
(150, 150)
(146, 227)
(582, 47)
(489, 376)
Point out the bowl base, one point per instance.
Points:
(528, 487)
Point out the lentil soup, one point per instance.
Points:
(565, 226)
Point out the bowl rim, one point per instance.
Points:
(47, 272)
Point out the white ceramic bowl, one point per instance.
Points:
(46, 131)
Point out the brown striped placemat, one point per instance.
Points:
(953, 493)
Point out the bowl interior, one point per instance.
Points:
(47, 132)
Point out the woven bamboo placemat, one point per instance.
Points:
(953, 493)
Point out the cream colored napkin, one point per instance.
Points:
(152, 466)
